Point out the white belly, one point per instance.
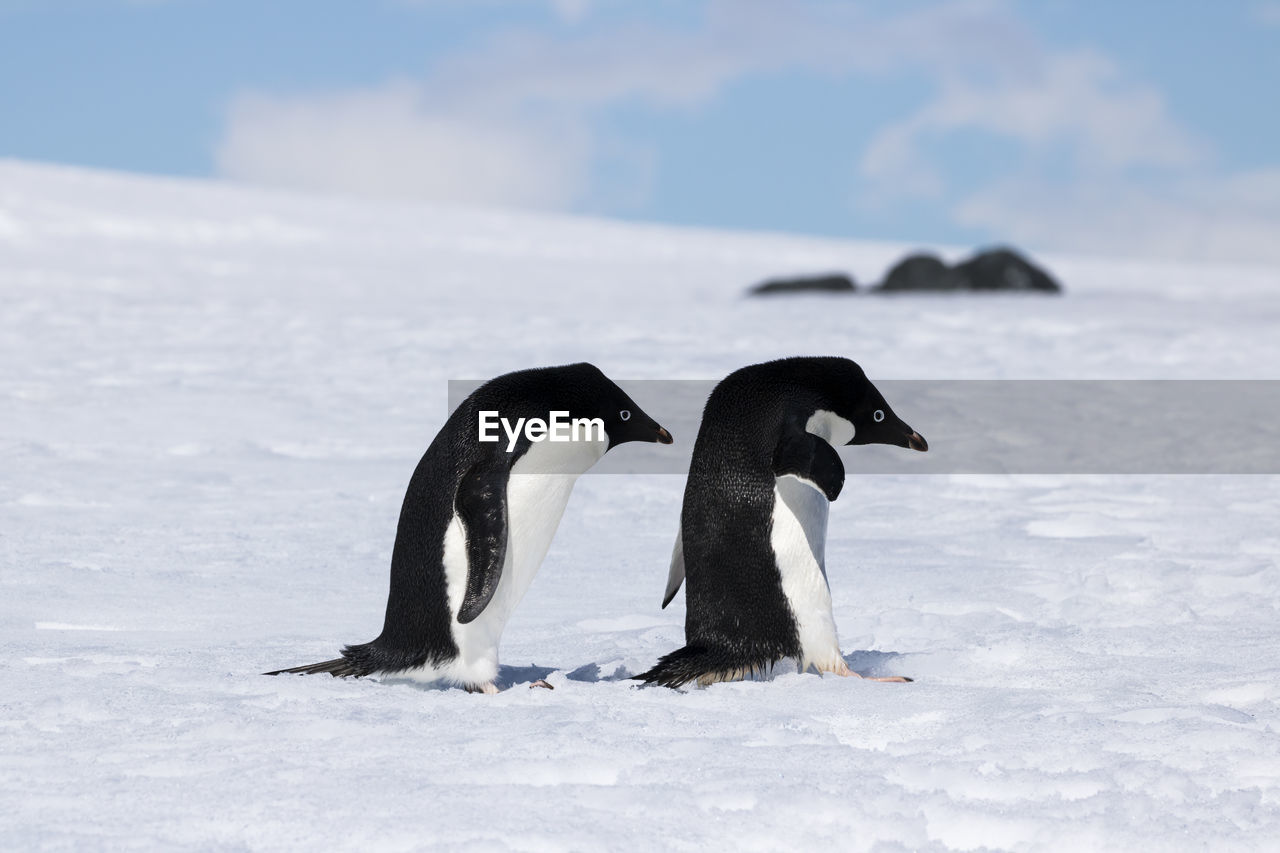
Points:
(537, 492)
(799, 545)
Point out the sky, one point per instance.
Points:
(1140, 128)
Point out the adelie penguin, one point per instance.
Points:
(753, 527)
(479, 516)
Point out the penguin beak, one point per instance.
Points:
(639, 432)
(916, 442)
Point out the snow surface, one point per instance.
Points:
(212, 397)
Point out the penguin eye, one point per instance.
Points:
(625, 414)
(878, 416)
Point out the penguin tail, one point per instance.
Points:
(338, 667)
(361, 660)
(703, 666)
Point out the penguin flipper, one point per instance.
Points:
(804, 455)
(482, 505)
(675, 575)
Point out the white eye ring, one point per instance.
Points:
(625, 414)
(878, 416)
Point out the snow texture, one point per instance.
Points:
(212, 397)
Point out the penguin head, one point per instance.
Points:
(591, 394)
(845, 392)
(874, 422)
(625, 421)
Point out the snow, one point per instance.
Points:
(212, 397)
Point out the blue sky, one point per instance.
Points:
(1142, 128)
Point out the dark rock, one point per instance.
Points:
(836, 283)
(921, 272)
(994, 269)
(1005, 269)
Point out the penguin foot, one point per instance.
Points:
(541, 682)
(488, 689)
(842, 669)
(839, 668)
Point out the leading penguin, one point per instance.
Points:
(478, 518)
(753, 527)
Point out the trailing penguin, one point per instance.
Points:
(479, 516)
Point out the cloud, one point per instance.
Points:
(388, 142)
(571, 11)
(1074, 100)
(1096, 160)
(566, 11)
(1099, 164)
(514, 123)
(666, 66)
(1197, 217)
(1267, 14)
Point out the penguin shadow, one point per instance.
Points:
(872, 664)
(514, 676)
(590, 672)
(510, 676)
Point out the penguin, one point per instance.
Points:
(753, 526)
(478, 518)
